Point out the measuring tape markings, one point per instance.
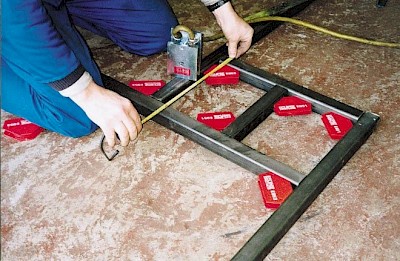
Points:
(167, 104)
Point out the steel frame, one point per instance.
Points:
(227, 143)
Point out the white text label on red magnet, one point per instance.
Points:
(291, 105)
(225, 75)
(21, 129)
(147, 87)
(274, 189)
(336, 124)
(216, 120)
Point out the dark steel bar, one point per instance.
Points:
(265, 81)
(175, 86)
(269, 234)
(381, 3)
(170, 89)
(211, 139)
(254, 115)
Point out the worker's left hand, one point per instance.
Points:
(113, 113)
(237, 32)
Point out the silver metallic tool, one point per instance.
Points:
(184, 53)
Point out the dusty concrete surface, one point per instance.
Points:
(167, 198)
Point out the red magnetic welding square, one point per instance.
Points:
(216, 120)
(274, 189)
(21, 129)
(336, 124)
(291, 105)
(225, 75)
(147, 87)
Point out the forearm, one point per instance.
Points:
(237, 32)
(225, 14)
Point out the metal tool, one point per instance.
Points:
(184, 53)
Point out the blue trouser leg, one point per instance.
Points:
(138, 26)
(43, 105)
(142, 27)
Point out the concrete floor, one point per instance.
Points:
(167, 198)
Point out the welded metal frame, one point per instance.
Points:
(227, 143)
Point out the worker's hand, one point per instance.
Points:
(237, 32)
(113, 113)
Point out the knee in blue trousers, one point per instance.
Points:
(137, 26)
(43, 106)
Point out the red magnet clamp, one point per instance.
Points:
(21, 129)
(147, 87)
(216, 120)
(336, 125)
(225, 75)
(291, 105)
(274, 189)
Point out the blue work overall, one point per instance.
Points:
(137, 26)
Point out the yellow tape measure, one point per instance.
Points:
(167, 104)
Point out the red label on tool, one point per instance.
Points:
(274, 189)
(336, 125)
(21, 129)
(147, 87)
(225, 75)
(216, 120)
(182, 71)
(291, 105)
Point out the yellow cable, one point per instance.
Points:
(167, 104)
(260, 17)
(324, 30)
(272, 18)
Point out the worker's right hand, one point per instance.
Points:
(113, 113)
(237, 32)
